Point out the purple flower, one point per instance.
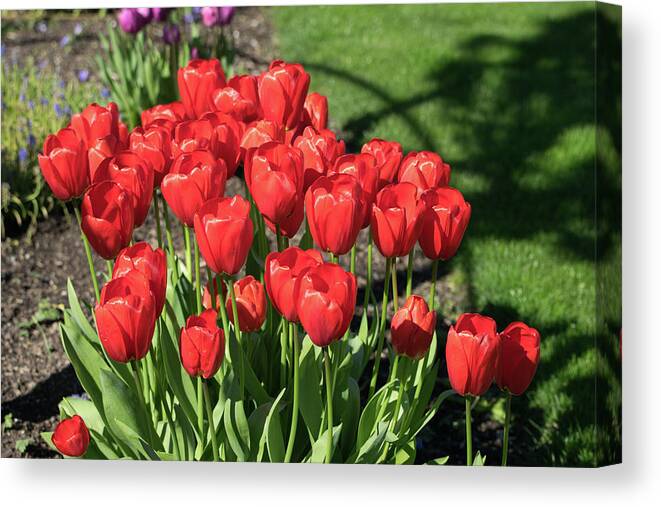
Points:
(194, 53)
(32, 141)
(42, 27)
(226, 15)
(130, 20)
(44, 101)
(78, 29)
(105, 93)
(21, 97)
(64, 41)
(160, 14)
(146, 13)
(196, 12)
(43, 64)
(83, 75)
(58, 110)
(22, 154)
(171, 34)
(189, 19)
(217, 16)
(30, 104)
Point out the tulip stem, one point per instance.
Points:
(200, 411)
(278, 237)
(88, 253)
(432, 289)
(398, 404)
(284, 352)
(198, 284)
(506, 430)
(409, 272)
(141, 397)
(329, 406)
(293, 329)
(368, 285)
(168, 236)
(382, 328)
(212, 427)
(223, 318)
(157, 218)
(352, 264)
(109, 267)
(469, 438)
(395, 291)
(237, 330)
(189, 261)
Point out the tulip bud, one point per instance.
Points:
(152, 263)
(133, 175)
(363, 167)
(282, 91)
(335, 207)
(171, 34)
(71, 436)
(282, 276)
(320, 151)
(519, 356)
(196, 82)
(96, 122)
(326, 302)
(471, 354)
(224, 232)
(315, 110)
(125, 317)
(202, 345)
(388, 156)
(444, 222)
(425, 170)
(194, 178)
(412, 328)
(107, 218)
(250, 304)
(64, 165)
(274, 175)
(131, 21)
(397, 219)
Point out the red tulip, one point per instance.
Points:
(194, 135)
(471, 354)
(107, 218)
(71, 436)
(228, 133)
(218, 294)
(388, 155)
(261, 132)
(64, 164)
(239, 98)
(194, 178)
(326, 303)
(152, 145)
(202, 345)
(335, 207)
(519, 356)
(152, 263)
(320, 151)
(282, 91)
(164, 115)
(250, 304)
(315, 109)
(102, 149)
(424, 169)
(133, 175)
(444, 222)
(196, 83)
(274, 175)
(397, 219)
(224, 233)
(96, 122)
(289, 226)
(412, 328)
(282, 276)
(363, 167)
(125, 317)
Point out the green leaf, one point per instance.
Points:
(311, 404)
(405, 455)
(418, 426)
(439, 461)
(257, 425)
(237, 429)
(318, 452)
(84, 408)
(274, 440)
(479, 460)
(22, 445)
(77, 314)
(306, 240)
(350, 410)
(370, 451)
(368, 419)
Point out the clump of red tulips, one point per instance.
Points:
(237, 350)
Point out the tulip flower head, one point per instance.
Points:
(320, 151)
(250, 304)
(397, 219)
(335, 207)
(471, 354)
(444, 222)
(125, 317)
(197, 81)
(315, 110)
(107, 218)
(64, 164)
(388, 156)
(96, 122)
(194, 178)
(363, 168)
(261, 132)
(425, 170)
(167, 115)
(202, 345)
(282, 276)
(152, 145)
(412, 328)
(326, 304)
(71, 436)
(519, 356)
(224, 232)
(289, 226)
(282, 92)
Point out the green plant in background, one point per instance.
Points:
(35, 102)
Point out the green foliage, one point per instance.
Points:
(35, 103)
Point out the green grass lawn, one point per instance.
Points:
(506, 94)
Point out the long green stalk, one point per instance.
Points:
(506, 430)
(293, 328)
(157, 218)
(469, 438)
(329, 406)
(382, 328)
(212, 426)
(237, 329)
(88, 253)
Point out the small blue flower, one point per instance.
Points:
(43, 64)
(67, 110)
(32, 141)
(64, 41)
(30, 104)
(78, 29)
(21, 97)
(83, 75)
(105, 93)
(44, 101)
(22, 154)
(2, 50)
(58, 109)
(189, 19)
(62, 84)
